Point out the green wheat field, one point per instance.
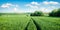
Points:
(26, 22)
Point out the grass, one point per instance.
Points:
(13, 22)
(48, 23)
(24, 22)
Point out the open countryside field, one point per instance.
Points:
(13, 22)
(29, 14)
(24, 22)
(48, 23)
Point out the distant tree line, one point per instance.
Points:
(36, 13)
(8, 13)
(54, 13)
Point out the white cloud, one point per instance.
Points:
(38, 6)
(44, 10)
(7, 5)
(45, 2)
(50, 2)
(33, 5)
(47, 9)
(10, 7)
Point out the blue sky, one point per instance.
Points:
(20, 6)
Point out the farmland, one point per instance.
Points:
(24, 22)
(48, 23)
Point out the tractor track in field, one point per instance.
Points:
(27, 25)
(37, 26)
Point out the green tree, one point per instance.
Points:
(55, 12)
(36, 13)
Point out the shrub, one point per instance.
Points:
(55, 13)
(0, 14)
(36, 13)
